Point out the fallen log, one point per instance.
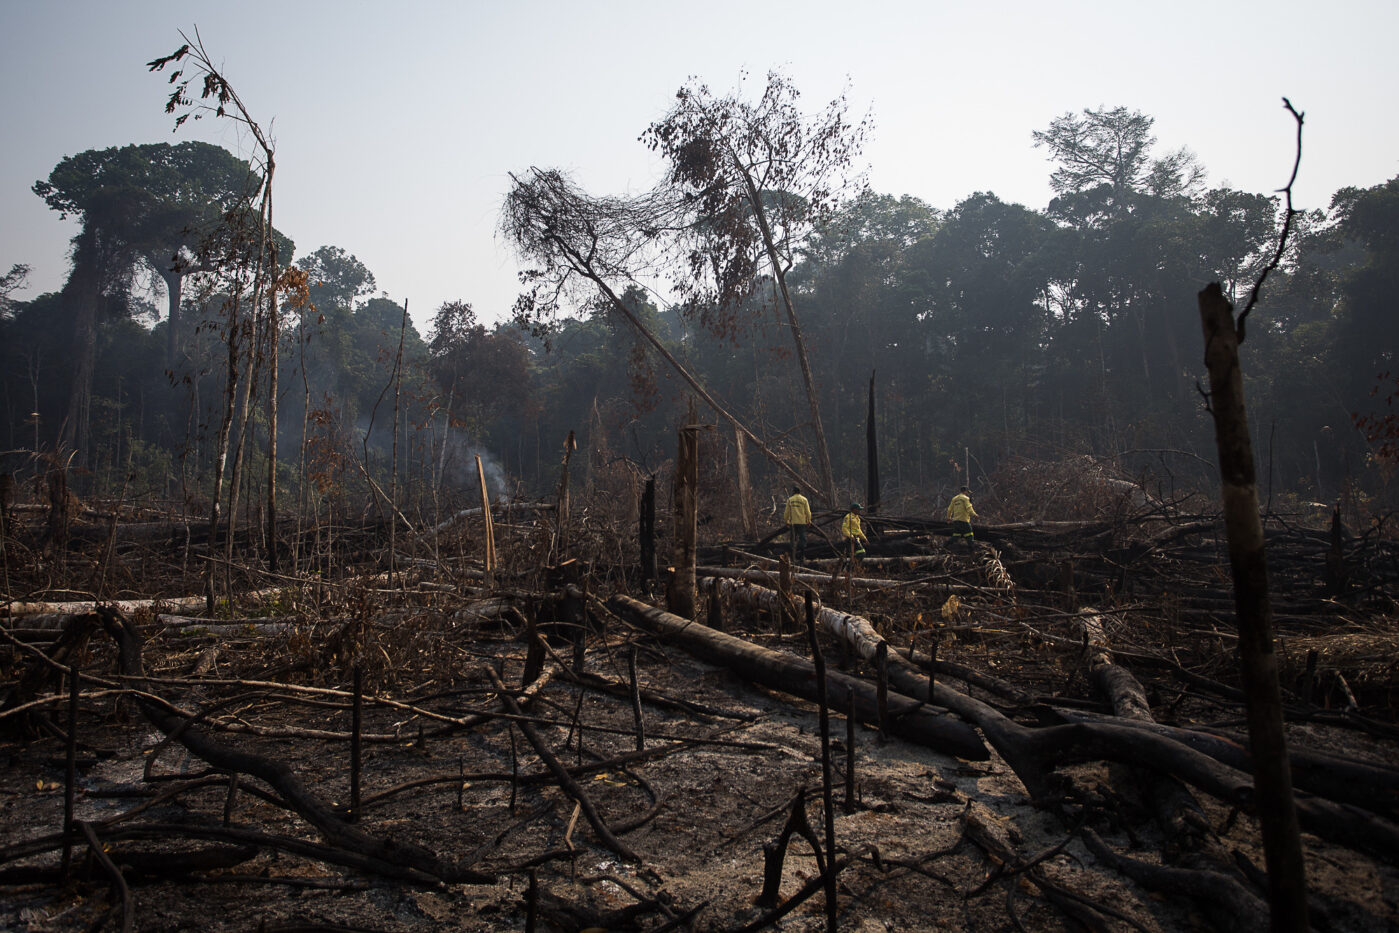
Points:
(908, 719)
(1191, 840)
(1362, 784)
(1224, 896)
(142, 533)
(124, 606)
(1033, 753)
(1123, 691)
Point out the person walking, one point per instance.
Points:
(961, 513)
(797, 515)
(852, 531)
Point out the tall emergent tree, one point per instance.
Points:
(1106, 153)
(756, 179)
(102, 259)
(166, 203)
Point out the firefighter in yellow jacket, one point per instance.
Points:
(852, 532)
(961, 513)
(797, 515)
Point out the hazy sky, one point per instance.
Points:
(396, 123)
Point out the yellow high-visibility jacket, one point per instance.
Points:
(798, 511)
(960, 508)
(850, 527)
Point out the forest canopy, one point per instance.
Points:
(993, 332)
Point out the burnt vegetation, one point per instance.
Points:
(507, 631)
(389, 751)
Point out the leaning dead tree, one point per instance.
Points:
(752, 180)
(583, 248)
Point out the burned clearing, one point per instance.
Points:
(1046, 733)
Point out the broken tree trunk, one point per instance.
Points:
(1191, 840)
(817, 580)
(1123, 691)
(745, 489)
(488, 556)
(561, 527)
(1277, 813)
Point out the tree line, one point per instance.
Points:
(762, 273)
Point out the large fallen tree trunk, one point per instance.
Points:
(1191, 840)
(1034, 753)
(907, 719)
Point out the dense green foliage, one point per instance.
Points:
(993, 331)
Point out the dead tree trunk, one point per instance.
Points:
(274, 333)
(745, 489)
(585, 267)
(561, 527)
(1191, 840)
(871, 457)
(823, 451)
(1239, 487)
(686, 506)
(647, 530)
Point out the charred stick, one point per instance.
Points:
(849, 806)
(70, 774)
(561, 775)
(636, 696)
(827, 803)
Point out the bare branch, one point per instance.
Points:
(1286, 225)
